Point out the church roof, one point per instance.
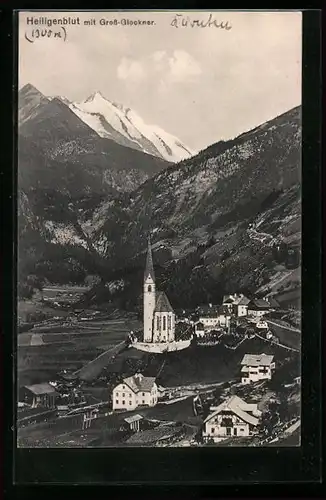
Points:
(149, 268)
(162, 303)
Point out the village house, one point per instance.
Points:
(213, 316)
(258, 307)
(199, 329)
(255, 367)
(39, 395)
(228, 302)
(241, 306)
(262, 325)
(236, 304)
(273, 303)
(185, 316)
(135, 391)
(232, 418)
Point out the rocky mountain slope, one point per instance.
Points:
(65, 171)
(124, 126)
(218, 221)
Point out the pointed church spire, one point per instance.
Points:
(149, 269)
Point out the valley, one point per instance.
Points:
(94, 182)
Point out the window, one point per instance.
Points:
(130, 403)
(143, 401)
(123, 402)
(235, 431)
(164, 322)
(228, 431)
(116, 401)
(123, 394)
(143, 394)
(212, 430)
(130, 395)
(149, 289)
(158, 322)
(169, 322)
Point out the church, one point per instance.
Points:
(159, 317)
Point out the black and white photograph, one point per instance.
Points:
(159, 229)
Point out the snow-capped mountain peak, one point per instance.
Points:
(123, 125)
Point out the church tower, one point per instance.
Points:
(149, 295)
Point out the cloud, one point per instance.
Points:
(182, 67)
(131, 71)
(163, 69)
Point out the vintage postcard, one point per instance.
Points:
(159, 229)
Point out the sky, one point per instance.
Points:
(201, 84)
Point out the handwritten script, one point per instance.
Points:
(37, 33)
(181, 21)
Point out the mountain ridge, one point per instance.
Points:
(122, 124)
(215, 219)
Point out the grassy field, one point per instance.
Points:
(289, 298)
(66, 351)
(286, 336)
(209, 364)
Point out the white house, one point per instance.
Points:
(236, 304)
(135, 391)
(258, 307)
(241, 306)
(228, 301)
(212, 317)
(232, 418)
(255, 367)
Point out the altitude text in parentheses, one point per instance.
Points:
(37, 33)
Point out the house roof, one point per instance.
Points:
(259, 304)
(139, 383)
(133, 418)
(223, 310)
(208, 314)
(272, 302)
(244, 301)
(199, 326)
(257, 359)
(237, 406)
(162, 303)
(44, 388)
